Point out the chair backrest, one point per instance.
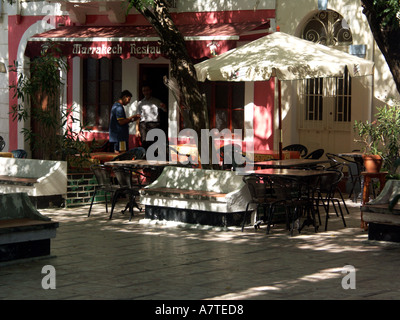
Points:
(334, 159)
(297, 147)
(284, 188)
(329, 182)
(316, 154)
(2, 143)
(102, 174)
(257, 187)
(124, 176)
(19, 153)
(139, 153)
(338, 162)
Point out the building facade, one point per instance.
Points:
(108, 51)
(321, 113)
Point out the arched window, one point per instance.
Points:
(329, 28)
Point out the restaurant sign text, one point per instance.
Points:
(121, 49)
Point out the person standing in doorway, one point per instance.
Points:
(119, 123)
(150, 110)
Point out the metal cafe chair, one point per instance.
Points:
(19, 153)
(259, 198)
(297, 147)
(316, 154)
(104, 182)
(296, 197)
(273, 193)
(124, 176)
(354, 169)
(138, 153)
(326, 190)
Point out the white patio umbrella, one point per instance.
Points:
(282, 56)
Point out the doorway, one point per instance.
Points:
(153, 74)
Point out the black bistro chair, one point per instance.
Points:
(296, 198)
(297, 147)
(354, 169)
(316, 154)
(104, 182)
(258, 188)
(328, 187)
(125, 177)
(19, 153)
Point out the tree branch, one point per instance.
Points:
(386, 38)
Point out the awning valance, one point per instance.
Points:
(141, 41)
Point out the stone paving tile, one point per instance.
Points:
(100, 259)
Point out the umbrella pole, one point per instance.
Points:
(280, 119)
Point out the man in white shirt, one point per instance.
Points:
(149, 109)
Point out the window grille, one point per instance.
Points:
(329, 28)
(313, 98)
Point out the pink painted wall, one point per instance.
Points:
(264, 115)
(16, 28)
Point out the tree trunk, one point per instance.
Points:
(45, 115)
(182, 68)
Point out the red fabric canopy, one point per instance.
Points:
(141, 41)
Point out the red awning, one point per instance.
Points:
(141, 41)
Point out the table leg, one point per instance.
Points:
(367, 180)
(365, 199)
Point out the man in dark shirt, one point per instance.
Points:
(119, 123)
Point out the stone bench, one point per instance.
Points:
(44, 181)
(24, 232)
(383, 222)
(197, 196)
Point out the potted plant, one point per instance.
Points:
(38, 101)
(381, 138)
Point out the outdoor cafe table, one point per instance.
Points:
(140, 164)
(290, 163)
(103, 156)
(293, 173)
(303, 177)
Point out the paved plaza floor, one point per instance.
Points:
(94, 258)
